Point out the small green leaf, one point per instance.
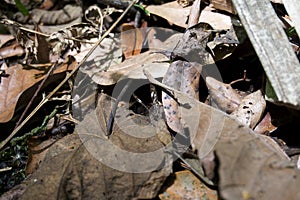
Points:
(270, 93)
(143, 9)
(21, 8)
(291, 31)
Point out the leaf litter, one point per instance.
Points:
(166, 141)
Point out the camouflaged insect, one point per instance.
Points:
(184, 72)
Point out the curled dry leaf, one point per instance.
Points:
(183, 74)
(222, 95)
(251, 109)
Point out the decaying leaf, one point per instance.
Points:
(250, 169)
(37, 150)
(188, 187)
(18, 81)
(84, 169)
(222, 95)
(251, 109)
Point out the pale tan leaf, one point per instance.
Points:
(217, 20)
(251, 109)
(250, 169)
(225, 5)
(5, 38)
(12, 50)
(172, 12)
(132, 68)
(222, 95)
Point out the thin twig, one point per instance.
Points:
(36, 93)
(47, 98)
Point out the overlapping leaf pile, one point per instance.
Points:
(159, 114)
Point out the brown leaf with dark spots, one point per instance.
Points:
(183, 76)
(251, 109)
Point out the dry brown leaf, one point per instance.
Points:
(183, 74)
(13, 49)
(155, 43)
(251, 109)
(250, 169)
(132, 68)
(222, 95)
(172, 12)
(84, 170)
(4, 38)
(225, 5)
(265, 126)
(18, 81)
(37, 150)
(131, 40)
(188, 187)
